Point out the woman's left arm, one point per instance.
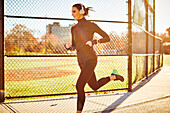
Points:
(101, 33)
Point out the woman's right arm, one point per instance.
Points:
(68, 45)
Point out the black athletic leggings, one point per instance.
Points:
(87, 75)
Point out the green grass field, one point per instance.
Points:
(55, 75)
(21, 67)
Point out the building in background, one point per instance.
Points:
(58, 30)
(56, 37)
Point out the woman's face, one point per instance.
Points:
(75, 13)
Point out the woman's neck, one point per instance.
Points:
(81, 20)
(81, 17)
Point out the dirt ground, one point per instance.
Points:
(39, 72)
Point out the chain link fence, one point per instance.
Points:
(146, 48)
(37, 63)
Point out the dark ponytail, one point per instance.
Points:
(80, 6)
(87, 10)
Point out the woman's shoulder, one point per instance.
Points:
(92, 23)
(74, 26)
(87, 22)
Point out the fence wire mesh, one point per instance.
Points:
(22, 40)
(150, 64)
(146, 58)
(41, 27)
(139, 68)
(25, 76)
(62, 8)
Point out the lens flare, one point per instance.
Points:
(3, 91)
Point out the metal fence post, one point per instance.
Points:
(130, 46)
(2, 51)
(162, 53)
(154, 35)
(147, 40)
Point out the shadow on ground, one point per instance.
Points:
(115, 104)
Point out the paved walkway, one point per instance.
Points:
(148, 93)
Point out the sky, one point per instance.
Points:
(162, 15)
(115, 10)
(62, 9)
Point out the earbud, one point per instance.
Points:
(82, 10)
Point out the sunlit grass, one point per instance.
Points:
(62, 84)
(65, 84)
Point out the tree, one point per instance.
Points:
(164, 37)
(19, 36)
(50, 43)
(118, 42)
(168, 30)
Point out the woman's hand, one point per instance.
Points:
(68, 45)
(89, 43)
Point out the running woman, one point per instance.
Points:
(82, 41)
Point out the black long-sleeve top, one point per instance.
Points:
(83, 32)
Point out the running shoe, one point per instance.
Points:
(118, 76)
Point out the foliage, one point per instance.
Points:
(19, 38)
(21, 41)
